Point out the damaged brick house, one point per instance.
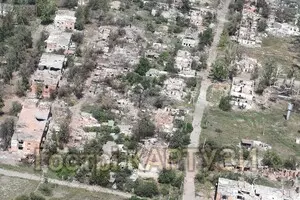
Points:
(31, 128)
(242, 93)
(58, 41)
(48, 74)
(65, 20)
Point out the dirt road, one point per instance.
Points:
(189, 192)
(64, 183)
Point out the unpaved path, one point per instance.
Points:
(189, 192)
(64, 183)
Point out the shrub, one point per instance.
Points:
(16, 108)
(45, 189)
(146, 189)
(272, 159)
(191, 82)
(166, 176)
(225, 103)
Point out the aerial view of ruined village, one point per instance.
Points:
(149, 99)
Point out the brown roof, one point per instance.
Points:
(32, 120)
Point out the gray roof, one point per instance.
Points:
(52, 61)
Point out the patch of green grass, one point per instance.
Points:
(214, 95)
(12, 187)
(267, 126)
(274, 48)
(21, 168)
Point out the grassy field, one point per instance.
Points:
(216, 91)
(11, 187)
(228, 128)
(274, 48)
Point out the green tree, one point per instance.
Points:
(1, 103)
(263, 8)
(225, 104)
(7, 26)
(100, 177)
(170, 67)
(146, 188)
(70, 3)
(269, 73)
(16, 108)
(102, 5)
(286, 14)
(166, 176)
(143, 66)
(233, 25)
(262, 25)
(64, 132)
(205, 38)
(144, 128)
(219, 70)
(6, 132)
(290, 163)
(45, 10)
(191, 82)
(237, 5)
(186, 6)
(179, 140)
(82, 17)
(224, 40)
(272, 159)
(150, 27)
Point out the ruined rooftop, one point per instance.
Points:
(51, 61)
(62, 39)
(230, 189)
(65, 15)
(32, 120)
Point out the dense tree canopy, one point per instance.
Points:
(272, 159)
(146, 188)
(205, 38)
(143, 66)
(145, 128)
(45, 10)
(219, 70)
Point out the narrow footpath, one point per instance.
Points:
(64, 183)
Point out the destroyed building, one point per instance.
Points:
(227, 189)
(247, 64)
(247, 34)
(283, 29)
(58, 41)
(155, 73)
(155, 51)
(31, 128)
(183, 62)
(115, 5)
(163, 120)
(190, 38)
(242, 93)
(65, 20)
(196, 18)
(153, 157)
(249, 144)
(173, 88)
(48, 74)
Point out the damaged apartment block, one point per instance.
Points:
(46, 78)
(242, 93)
(31, 128)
